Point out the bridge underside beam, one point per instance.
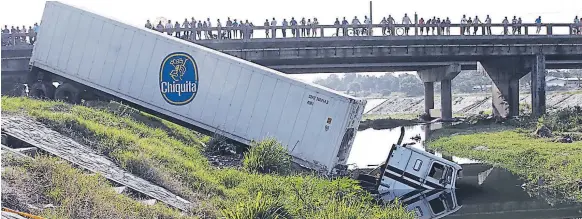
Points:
(505, 74)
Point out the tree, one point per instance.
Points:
(354, 86)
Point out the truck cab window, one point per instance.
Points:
(437, 171)
(437, 206)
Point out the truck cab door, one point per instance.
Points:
(439, 176)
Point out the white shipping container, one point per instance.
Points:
(208, 89)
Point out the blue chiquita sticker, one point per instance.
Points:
(178, 78)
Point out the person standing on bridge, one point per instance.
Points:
(345, 24)
(308, 27)
(236, 26)
(177, 29)
(391, 22)
(160, 27)
(148, 25)
(538, 24)
(294, 30)
(336, 23)
(488, 25)
(433, 23)
(421, 26)
(476, 23)
(514, 25)
(219, 33)
(406, 21)
(427, 25)
(193, 28)
(274, 28)
(303, 29)
(383, 23)
(228, 28)
(168, 27)
(30, 35)
(355, 23)
(505, 26)
(205, 27)
(266, 24)
(463, 24)
(315, 25)
(199, 27)
(209, 29)
(186, 26)
(468, 28)
(577, 29)
(251, 28)
(284, 25)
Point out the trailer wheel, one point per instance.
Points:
(13, 89)
(68, 93)
(42, 90)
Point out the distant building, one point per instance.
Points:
(562, 82)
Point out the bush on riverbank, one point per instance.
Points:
(172, 155)
(267, 156)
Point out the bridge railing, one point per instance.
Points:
(328, 31)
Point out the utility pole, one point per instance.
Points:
(369, 27)
(370, 10)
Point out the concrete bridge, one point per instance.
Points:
(439, 58)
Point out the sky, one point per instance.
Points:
(27, 12)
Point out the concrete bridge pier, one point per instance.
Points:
(538, 85)
(443, 74)
(505, 74)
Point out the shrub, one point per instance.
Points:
(260, 208)
(267, 156)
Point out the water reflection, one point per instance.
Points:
(495, 194)
(372, 146)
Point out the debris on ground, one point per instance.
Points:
(543, 132)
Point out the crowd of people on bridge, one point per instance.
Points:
(310, 27)
(23, 35)
(192, 29)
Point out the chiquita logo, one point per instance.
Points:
(178, 78)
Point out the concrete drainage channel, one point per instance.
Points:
(25, 137)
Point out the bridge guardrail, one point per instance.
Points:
(328, 31)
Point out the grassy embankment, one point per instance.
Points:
(550, 167)
(46, 180)
(171, 156)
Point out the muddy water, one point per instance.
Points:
(372, 146)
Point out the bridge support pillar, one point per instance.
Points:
(505, 74)
(446, 100)
(443, 74)
(428, 97)
(538, 85)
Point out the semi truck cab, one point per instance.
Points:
(407, 168)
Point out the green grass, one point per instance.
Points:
(558, 164)
(47, 180)
(170, 156)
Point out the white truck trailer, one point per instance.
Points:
(90, 54)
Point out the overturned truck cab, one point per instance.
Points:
(409, 168)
